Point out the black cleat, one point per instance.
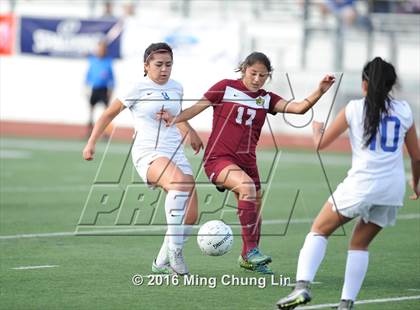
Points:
(346, 304)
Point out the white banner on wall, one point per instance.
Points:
(204, 52)
(44, 89)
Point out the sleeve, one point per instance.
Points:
(130, 98)
(216, 92)
(410, 117)
(274, 98)
(181, 90)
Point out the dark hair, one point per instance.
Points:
(380, 77)
(156, 48)
(252, 59)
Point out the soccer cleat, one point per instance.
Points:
(261, 268)
(162, 269)
(300, 295)
(346, 304)
(255, 257)
(245, 264)
(176, 261)
(264, 269)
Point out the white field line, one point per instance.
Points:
(34, 267)
(84, 188)
(123, 229)
(119, 148)
(303, 185)
(312, 283)
(15, 154)
(362, 302)
(44, 189)
(286, 156)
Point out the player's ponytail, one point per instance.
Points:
(380, 77)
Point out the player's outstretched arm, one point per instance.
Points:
(301, 107)
(104, 120)
(186, 114)
(414, 152)
(323, 137)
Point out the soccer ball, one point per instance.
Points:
(215, 238)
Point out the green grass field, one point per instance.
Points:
(44, 188)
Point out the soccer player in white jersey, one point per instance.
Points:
(374, 187)
(157, 151)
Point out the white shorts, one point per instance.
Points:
(380, 215)
(142, 164)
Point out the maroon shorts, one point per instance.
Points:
(213, 167)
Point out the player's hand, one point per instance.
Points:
(317, 127)
(318, 130)
(416, 191)
(89, 151)
(326, 83)
(195, 142)
(166, 117)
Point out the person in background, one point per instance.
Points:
(108, 10)
(99, 80)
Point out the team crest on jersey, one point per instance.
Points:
(260, 101)
(165, 95)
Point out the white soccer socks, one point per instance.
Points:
(177, 234)
(356, 268)
(187, 232)
(175, 206)
(311, 256)
(162, 258)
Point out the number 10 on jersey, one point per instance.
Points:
(383, 132)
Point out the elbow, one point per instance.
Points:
(302, 111)
(297, 109)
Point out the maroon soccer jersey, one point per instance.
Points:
(238, 117)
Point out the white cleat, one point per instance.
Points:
(176, 261)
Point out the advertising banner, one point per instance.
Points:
(68, 37)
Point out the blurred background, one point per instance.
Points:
(44, 46)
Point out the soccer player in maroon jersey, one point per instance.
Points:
(239, 112)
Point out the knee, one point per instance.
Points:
(315, 231)
(358, 245)
(247, 192)
(181, 184)
(321, 230)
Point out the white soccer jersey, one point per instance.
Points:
(377, 172)
(144, 101)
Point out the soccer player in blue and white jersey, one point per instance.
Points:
(374, 187)
(157, 151)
